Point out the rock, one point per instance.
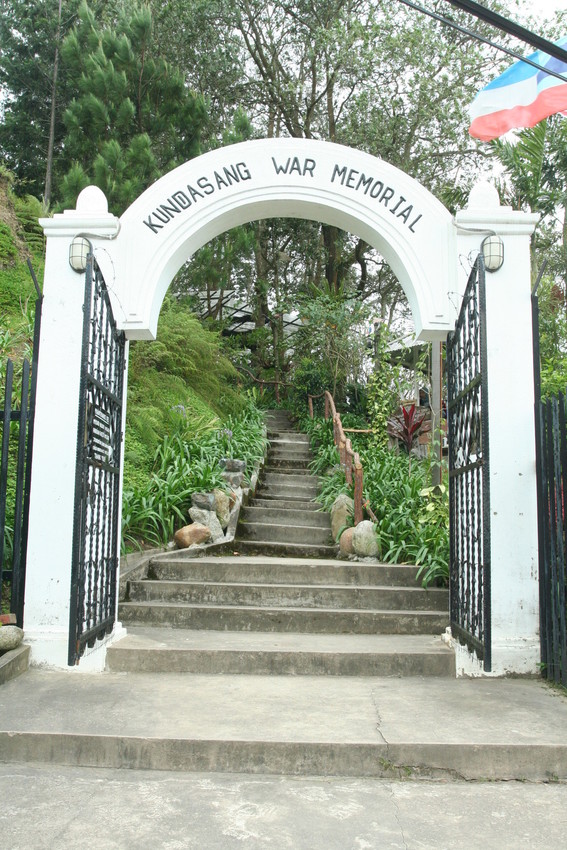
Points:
(231, 465)
(222, 507)
(189, 534)
(210, 519)
(233, 479)
(10, 638)
(342, 508)
(345, 543)
(205, 501)
(365, 541)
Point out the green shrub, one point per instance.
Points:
(186, 461)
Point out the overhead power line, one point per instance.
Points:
(475, 35)
(510, 27)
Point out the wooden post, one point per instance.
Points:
(310, 403)
(357, 491)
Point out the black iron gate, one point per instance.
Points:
(16, 447)
(469, 494)
(97, 480)
(551, 455)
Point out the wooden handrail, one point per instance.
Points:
(350, 460)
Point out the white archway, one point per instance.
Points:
(429, 252)
(300, 178)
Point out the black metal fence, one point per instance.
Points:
(469, 494)
(97, 508)
(16, 446)
(551, 453)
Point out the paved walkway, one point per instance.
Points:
(302, 725)
(57, 808)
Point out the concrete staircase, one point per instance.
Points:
(264, 610)
(283, 519)
(305, 666)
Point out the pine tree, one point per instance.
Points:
(133, 118)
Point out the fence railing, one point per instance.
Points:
(350, 460)
(16, 444)
(551, 459)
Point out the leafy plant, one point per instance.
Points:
(406, 426)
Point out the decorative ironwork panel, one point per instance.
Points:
(97, 480)
(469, 494)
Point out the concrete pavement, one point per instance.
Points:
(58, 808)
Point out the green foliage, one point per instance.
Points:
(413, 518)
(181, 379)
(552, 337)
(8, 249)
(409, 530)
(186, 461)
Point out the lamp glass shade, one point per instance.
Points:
(78, 252)
(493, 253)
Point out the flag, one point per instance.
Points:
(520, 97)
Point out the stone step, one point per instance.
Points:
(159, 650)
(437, 727)
(232, 568)
(311, 535)
(288, 517)
(264, 619)
(289, 595)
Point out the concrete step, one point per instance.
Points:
(284, 505)
(287, 470)
(287, 492)
(280, 460)
(233, 568)
(288, 439)
(275, 515)
(278, 619)
(284, 533)
(283, 550)
(407, 728)
(159, 650)
(285, 478)
(289, 595)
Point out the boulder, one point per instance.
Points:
(210, 520)
(233, 479)
(365, 540)
(205, 501)
(345, 543)
(230, 464)
(222, 507)
(10, 638)
(342, 508)
(190, 534)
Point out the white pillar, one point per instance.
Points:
(513, 505)
(48, 572)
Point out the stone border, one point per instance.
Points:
(14, 662)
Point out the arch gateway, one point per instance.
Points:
(430, 252)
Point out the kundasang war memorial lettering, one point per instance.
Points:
(342, 175)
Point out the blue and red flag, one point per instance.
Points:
(520, 97)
